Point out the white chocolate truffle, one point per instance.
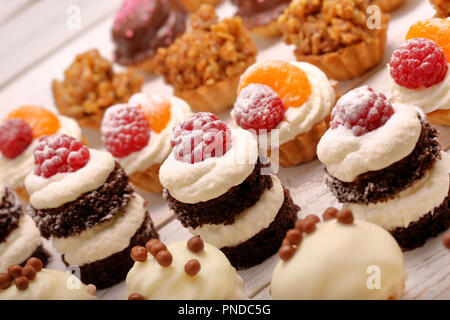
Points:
(50, 285)
(216, 280)
(342, 261)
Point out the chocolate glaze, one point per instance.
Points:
(255, 13)
(143, 26)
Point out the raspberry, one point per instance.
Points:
(15, 137)
(258, 107)
(418, 63)
(124, 130)
(361, 110)
(59, 153)
(200, 137)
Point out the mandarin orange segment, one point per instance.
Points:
(41, 120)
(434, 29)
(157, 112)
(287, 80)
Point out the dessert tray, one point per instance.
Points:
(54, 48)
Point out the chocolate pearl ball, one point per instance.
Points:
(286, 242)
(15, 271)
(286, 252)
(157, 247)
(345, 216)
(90, 288)
(135, 296)
(192, 267)
(308, 225)
(5, 281)
(29, 272)
(294, 236)
(150, 243)
(299, 225)
(313, 218)
(446, 240)
(21, 283)
(164, 258)
(36, 263)
(139, 254)
(195, 244)
(329, 214)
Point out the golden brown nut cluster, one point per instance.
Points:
(323, 26)
(210, 52)
(90, 86)
(442, 8)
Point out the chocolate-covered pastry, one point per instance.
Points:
(260, 16)
(142, 26)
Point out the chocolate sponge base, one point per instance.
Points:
(267, 242)
(429, 225)
(11, 209)
(113, 269)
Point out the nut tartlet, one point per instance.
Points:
(204, 64)
(334, 35)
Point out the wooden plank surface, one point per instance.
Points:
(427, 267)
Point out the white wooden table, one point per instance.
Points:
(38, 43)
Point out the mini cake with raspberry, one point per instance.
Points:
(142, 26)
(19, 133)
(81, 199)
(420, 71)
(387, 5)
(205, 63)
(290, 100)
(384, 162)
(338, 259)
(31, 282)
(188, 270)
(19, 237)
(90, 86)
(260, 16)
(442, 8)
(220, 191)
(338, 36)
(138, 135)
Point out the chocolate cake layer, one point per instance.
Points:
(382, 185)
(40, 253)
(429, 225)
(267, 242)
(88, 210)
(113, 269)
(223, 209)
(11, 210)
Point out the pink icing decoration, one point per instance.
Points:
(129, 9)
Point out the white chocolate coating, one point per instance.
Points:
(53, 192)
(346, 156)
(247, 223)
(104, 239)
(209, 179)
(14, 171)
(339, 261)
(159, 146)
(410, 204)
(216, 280)
(49, 285)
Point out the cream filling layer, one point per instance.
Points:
(66, 187)
(339, 261)
(20, 243)
(104, 239)
(410, 204)
(14, 171)
(247, 223)
(206, 180)
(159, 146)
(216, 280)
(49, 285)
(346, 156)
(436, 97)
